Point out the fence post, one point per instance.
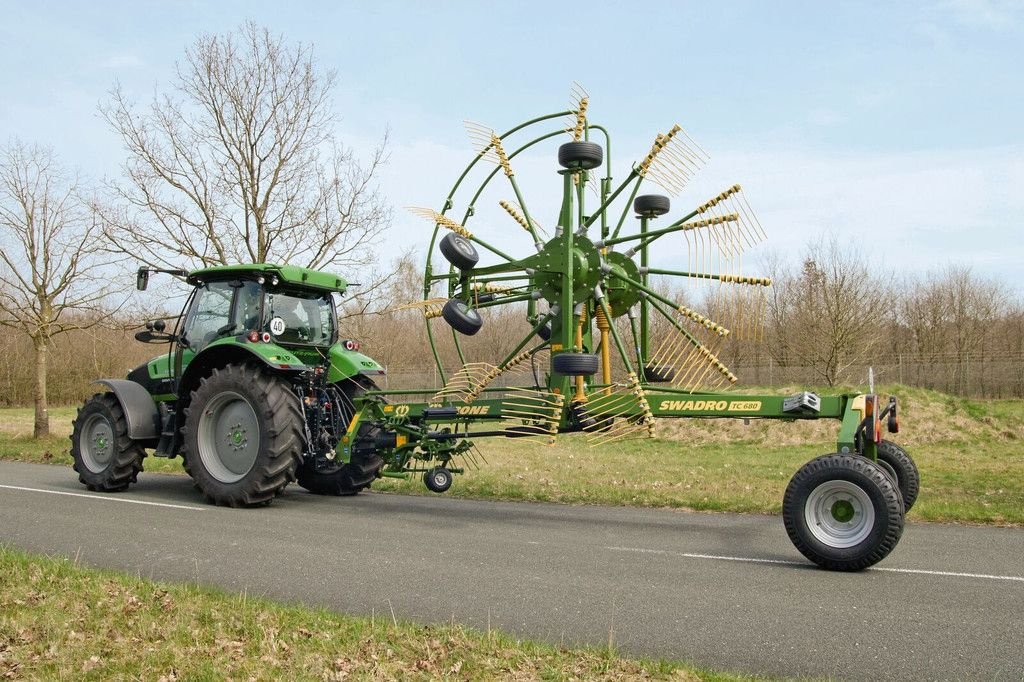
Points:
(899, 360)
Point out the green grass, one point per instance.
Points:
(968, 451)
(60, 621)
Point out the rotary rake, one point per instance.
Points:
(605, 348)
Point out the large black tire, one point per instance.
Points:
(461, 317)
(585, 155)
(843, 512)
(907, 476)
(651, 205)
(106, 459)
(243, 436)
(574, 364)
(459, 251)
(351, 478)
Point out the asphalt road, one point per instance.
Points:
(723, 591)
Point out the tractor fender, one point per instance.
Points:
(140, 412)
(346, 364)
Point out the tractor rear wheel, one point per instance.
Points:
(908, 479)
(341, 478)
(843, 512)
(106, 459)
(243, 436)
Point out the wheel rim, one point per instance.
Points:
(229, 437)
(440, 478)
(839, 514)
(97, 443)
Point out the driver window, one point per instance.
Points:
(210, 313)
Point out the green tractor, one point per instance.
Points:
(254, 392)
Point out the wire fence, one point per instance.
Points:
(999, 376)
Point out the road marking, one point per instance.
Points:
(754, 560)
(104, 498)
(952, 574)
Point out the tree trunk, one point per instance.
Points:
(41, 428)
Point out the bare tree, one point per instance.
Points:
(238, 163)
(952, 312)
(831, 314)
(50, 261)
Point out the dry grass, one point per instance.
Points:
(59, 621)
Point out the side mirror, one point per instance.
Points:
(142, 279)
(154, 333)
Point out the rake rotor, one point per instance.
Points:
(603, 293)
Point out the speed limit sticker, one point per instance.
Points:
(277, 326)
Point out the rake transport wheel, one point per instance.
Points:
(907, 476)
(106, 459)
(345, 479)
(843, 512)
(243, 436)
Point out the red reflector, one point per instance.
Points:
(254, 337)
(266, 337)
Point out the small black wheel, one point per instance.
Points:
(580, 155)
(843, 512)
(106, 459)
(461, 317)
(907, 476)
(659, 373)
(459, 251)
(243, 436)
(651, 205)
(438, 479)
(574, 364)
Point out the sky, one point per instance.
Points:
(895, 127)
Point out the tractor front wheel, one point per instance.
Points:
(843, 512)
(243, 436)
(106, 459)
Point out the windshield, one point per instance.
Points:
(299, 318)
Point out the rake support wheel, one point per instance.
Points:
(459, 251)
(580, 155)
(575, 364)
(461, 317)
(651, 205)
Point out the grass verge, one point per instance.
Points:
(969, 453)
(60, 621)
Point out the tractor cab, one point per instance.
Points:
(258, 311)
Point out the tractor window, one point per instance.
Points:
(210, 313)
(247, 307)
(300, 318)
